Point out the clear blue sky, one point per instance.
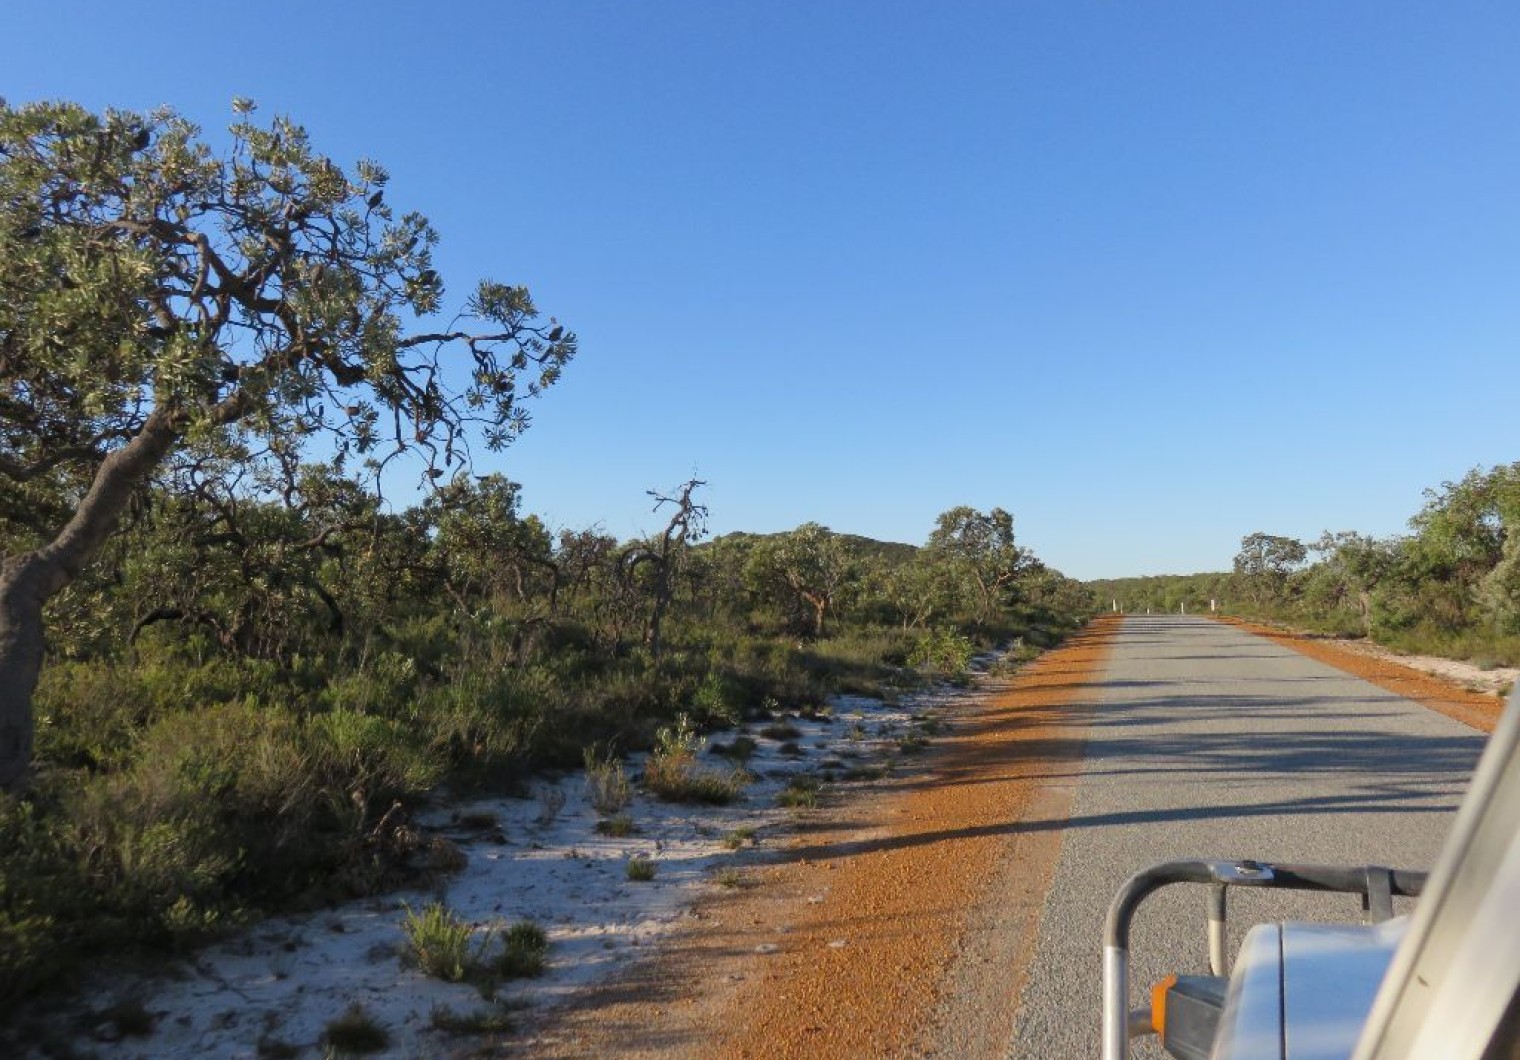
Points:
(1152, 276)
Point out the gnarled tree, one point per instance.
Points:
(980, 546)
(156, 296)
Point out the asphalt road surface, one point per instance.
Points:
(1207, 741)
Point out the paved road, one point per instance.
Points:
(1210, 742)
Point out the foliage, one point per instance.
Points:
(607, 783)
(254, 672)
(236, 334)
(1450, 587)
(1265, 561)
(494, 1020)
(440, 942)
(524, 951)
(944, 652)
(672, 773)
(356, 1033)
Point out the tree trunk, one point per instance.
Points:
(20, 662)
(27, 580)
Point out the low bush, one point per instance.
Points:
(671, 772)
(606, 783)
(440, 942)
(740, 750)
(524, 951)
(618, 826)
(356, 1033)
(943, 652)
(494, 1020)
(801, 792)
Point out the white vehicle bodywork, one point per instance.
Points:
(1441, 984)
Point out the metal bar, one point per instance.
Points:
(1218, 959)
(1115, 1003)
(1220, 875)
(1379, 900)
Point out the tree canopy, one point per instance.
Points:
(168, 309)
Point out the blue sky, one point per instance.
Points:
(1151, 276)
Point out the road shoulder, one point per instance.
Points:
(897, 923)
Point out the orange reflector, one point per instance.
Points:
(1158, 1004)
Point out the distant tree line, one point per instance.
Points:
(1450, 586)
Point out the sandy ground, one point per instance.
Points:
(901, 922)
(895, 919)
(273, 989)
(895, 924)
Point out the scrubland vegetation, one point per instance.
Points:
(1450, 587)
(229, 673)
(220, 734)
(232, 722)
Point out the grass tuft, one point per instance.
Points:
(524, 951)
(672, 774)
(440, 942)
(495, 1020)
(738, 837)
(618, 827)
(606, 783)
(800, 793)
(356, 1033)
(641, 869)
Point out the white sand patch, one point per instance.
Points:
(283, 980)
(1496, 679)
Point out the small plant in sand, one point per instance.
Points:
(494, 1020)
(440, 942)
(606, 783)
(729, 877)
(355, 1033)
(550, 802)
(619, 827)
(800, 793)
(740, 750)
(272, 1048)
(738, 837)
(128, 1018)
(640, 868)
(524, 951)
(672, 772)
(445, 856)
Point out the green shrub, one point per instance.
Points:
(738, 837)
(715, 701)
(618, 826)
(356, 1033)
(801, 792)
(742, 748)
(640, 869)
(43, 900)
(607, 783)
(440, 942)
(672, 774)
(374, 759)
(943, 652)
(494, 1020)
(524, 951)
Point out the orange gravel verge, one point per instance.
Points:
(898, 923)
(1479, 710)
